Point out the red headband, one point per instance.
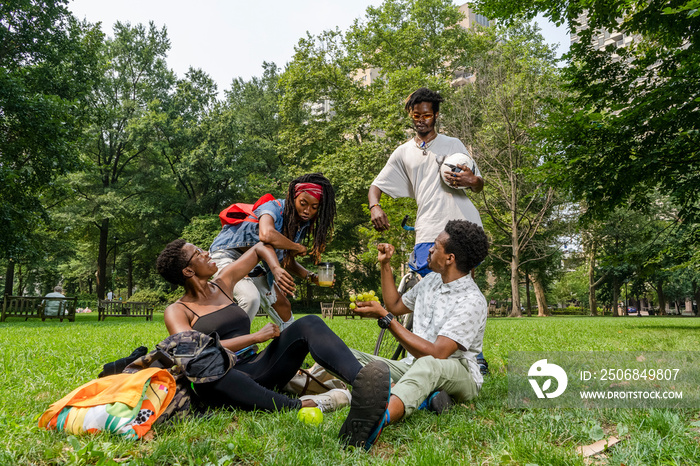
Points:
(313, 189)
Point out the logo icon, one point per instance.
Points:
(542, 368)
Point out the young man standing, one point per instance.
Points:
(448, 332)
(413, 170)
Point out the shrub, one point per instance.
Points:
(570, 311)
(150, 296)
(85, 300)
(173, 296)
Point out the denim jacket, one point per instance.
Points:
(246, 234)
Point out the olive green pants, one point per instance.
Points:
(414, 382)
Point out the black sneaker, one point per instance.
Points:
(483, 366)
(438, 402)
(370, 398)
(118, 366)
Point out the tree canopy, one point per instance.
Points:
(632, 123)
(46, 66)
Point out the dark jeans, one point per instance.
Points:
(249, 384)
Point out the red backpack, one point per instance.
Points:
(241, 212)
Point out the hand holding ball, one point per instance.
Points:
(449, 165)
(312, 416)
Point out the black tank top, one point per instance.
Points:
(229, 321)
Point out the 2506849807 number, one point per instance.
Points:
(638, 374)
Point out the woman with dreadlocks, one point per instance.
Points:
(299, 225)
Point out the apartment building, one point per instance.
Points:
(603, 38)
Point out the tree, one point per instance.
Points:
(176, 128)
(47, 61)
(515, 79)
(572, 287)
(631, 124)
(117, 172)
(250, 132)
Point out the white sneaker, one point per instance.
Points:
(331, 400)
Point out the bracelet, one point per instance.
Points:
(375, 205)
(308, 276)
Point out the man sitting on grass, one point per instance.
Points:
(448, 331)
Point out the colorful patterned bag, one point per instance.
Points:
(124, 404)
(152, 389)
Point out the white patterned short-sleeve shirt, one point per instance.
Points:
(456, 310)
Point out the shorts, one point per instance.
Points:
(418, 262)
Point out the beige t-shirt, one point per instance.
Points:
(409, 173)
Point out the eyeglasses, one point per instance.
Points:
(424, 116)
(197, 250)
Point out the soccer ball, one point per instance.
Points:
(450, 164)
(312, 416)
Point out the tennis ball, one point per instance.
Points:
(312, 416)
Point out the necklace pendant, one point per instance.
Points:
(425, 152)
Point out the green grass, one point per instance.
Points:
(41, 362)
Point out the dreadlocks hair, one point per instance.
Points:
(171, 261)
(467, 242)
(321, 226)
(423, 95)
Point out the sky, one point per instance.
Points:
(232, 38)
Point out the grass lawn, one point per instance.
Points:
(40, 362)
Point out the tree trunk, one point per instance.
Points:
(102, 259)
(515, 287)
(527, 294)
(9, 277)
(539, 296)
(592, 304)
(616, 298)
(696, 294)
(515, 264)
(309, 294)
(20, 281)
(662, 298)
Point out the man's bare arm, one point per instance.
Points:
(377, 214)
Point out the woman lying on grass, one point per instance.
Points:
(250, 384)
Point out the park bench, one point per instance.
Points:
(337, 308)
(497, 311)
(107, 308)
(35, 306)
(327, 310)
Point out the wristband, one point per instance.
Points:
(375, 205)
